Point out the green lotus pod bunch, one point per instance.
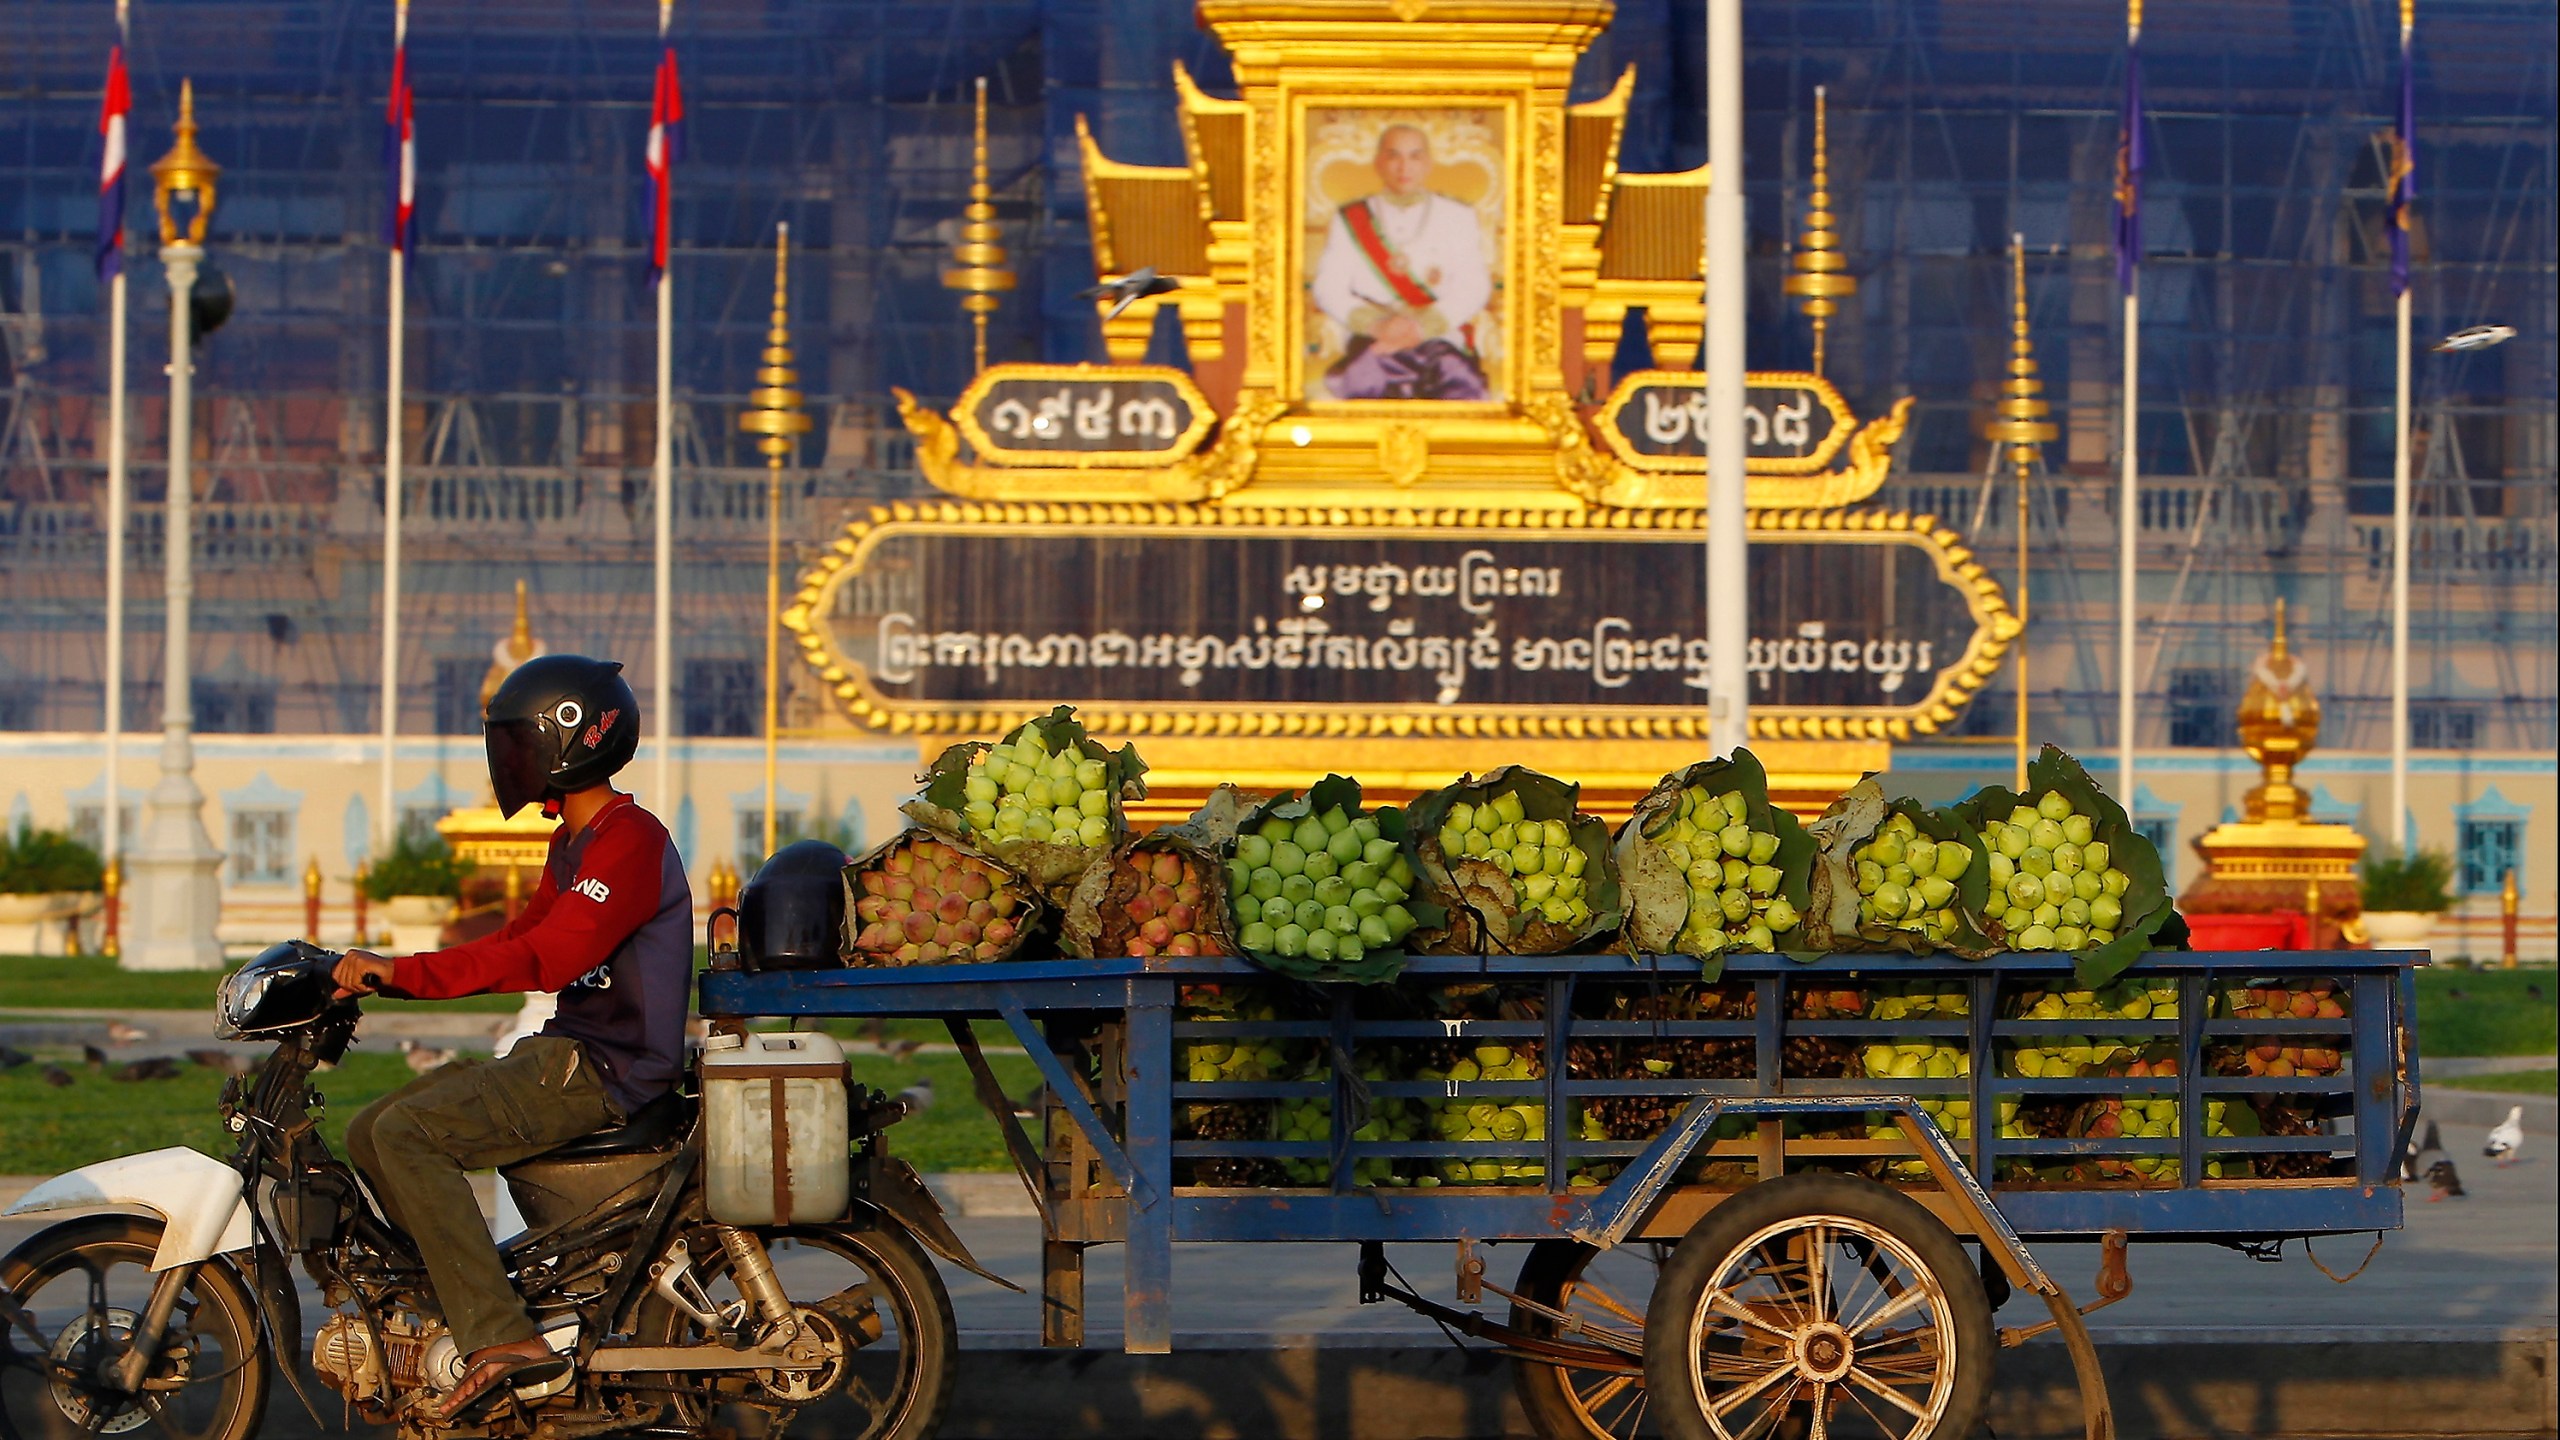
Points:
(2053, 883)
(2123, 1000)
(1019, 789)
(1244, 1059)
(1917, 1059)
(1907, 881)
(1513, 1122)
(2152, 1117)
(1734, 902)
(1326, 886)
(1908, 999)
(1544, 865)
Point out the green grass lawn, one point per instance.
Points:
(91, 982)
(2487, 1012)
(45, 1130)
(2514, 1082)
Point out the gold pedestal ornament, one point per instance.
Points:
(494, 843)
(2277, 853)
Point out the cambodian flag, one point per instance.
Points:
(2129, 172)
(112, 114)
(400, 153)
(2404, 169)
(666, 117)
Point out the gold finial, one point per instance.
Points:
(2133, 16)
(1821, 276)
(517, 648)
(980, 272)
(773, 407)
(2021, 426)
(2279, 724)
(2408, 17)
(185, 176)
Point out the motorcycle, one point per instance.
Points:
(181, 1315)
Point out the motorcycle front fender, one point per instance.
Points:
(199, 1200)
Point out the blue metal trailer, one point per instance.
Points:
(1807, 1274)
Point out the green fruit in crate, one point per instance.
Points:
(2053, 883)
(1310, 887)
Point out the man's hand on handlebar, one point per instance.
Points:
(361, 972)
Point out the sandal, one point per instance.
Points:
(490, 1379)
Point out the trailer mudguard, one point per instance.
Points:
(199, 1200)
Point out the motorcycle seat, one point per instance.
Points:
(658, 1124)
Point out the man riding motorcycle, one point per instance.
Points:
(610, 927)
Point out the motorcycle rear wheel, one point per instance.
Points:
(82, 1283)
(894, 1388)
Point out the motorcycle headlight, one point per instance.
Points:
(238, 999)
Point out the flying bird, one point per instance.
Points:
(2477, 337)
(2507, 1139)
(55, 1076)
(1129, 289)
(2448, 1184)
(121, 1032)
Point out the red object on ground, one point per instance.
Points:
(2282, 930)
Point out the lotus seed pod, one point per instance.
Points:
(2078, 829)
(2088, 885)
(1297, 889)
(2116, 882)
(2094, 854)
(2066, 859)
(1320, 944)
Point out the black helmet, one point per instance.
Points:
(791, 911)
(559, 723)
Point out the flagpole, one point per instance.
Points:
(662, 481)
(387, 827)
(2128, 519)
(2399, 821)
(1728, 495)
(111, 817)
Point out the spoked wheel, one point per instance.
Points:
(82, 1285)
(1819, 1305)
(1602, 1396)
(871, 1294)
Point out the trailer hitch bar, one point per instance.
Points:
(1609, 1350)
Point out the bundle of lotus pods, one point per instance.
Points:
(1046, 799)
(1522, 870)
(1320, 887)
(1710, 865)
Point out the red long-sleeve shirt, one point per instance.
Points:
(610, 927)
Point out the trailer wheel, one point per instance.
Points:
(1823, 1305)
(1599, 1394)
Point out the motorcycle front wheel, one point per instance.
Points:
(876, 1290)
(78, 1289)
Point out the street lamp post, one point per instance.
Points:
(176, 887)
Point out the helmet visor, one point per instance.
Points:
(519, 763)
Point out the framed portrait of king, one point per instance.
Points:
(1404, 253)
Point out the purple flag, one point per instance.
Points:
(2404, 171)
(2129, 172)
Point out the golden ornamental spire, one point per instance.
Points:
(980, 272)
(2279, 723)
(185, 171)
(774, 413)
(2021, 426)
(1821, 277)
(773, 407)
